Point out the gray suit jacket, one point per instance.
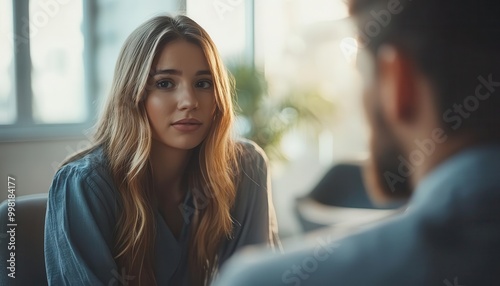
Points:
(450, 235)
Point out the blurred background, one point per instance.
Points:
(293, 61)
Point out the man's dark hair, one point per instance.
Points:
(455, 44)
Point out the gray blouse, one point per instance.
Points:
(83, 211)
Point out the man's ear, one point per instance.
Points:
(397, 81)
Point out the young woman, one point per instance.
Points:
(165, 195)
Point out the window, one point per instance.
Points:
(7, 99)
(306, 48)
(47, 90)
(230, 25)
(57, 63)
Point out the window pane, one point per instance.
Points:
(7, 98)
(57, 61)
(225, 23)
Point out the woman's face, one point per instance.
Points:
(180, 103)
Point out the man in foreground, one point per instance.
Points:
(432, 99)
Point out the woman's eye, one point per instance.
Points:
(164, 84)
(204, 84)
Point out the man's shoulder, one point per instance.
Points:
(464, 187)
(365, 258)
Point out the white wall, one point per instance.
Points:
(33, 164)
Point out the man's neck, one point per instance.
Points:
(442, 152)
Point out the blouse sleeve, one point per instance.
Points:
(253, 212)
(81, 215)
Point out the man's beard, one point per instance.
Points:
(384, 165)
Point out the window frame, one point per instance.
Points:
(24, 128)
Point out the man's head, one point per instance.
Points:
(433, 87)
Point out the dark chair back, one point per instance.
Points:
(29, 236)
(341, 187)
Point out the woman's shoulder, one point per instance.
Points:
(250, 152)
(84, 187)
(87, 172)
(89, 164)
(252, 164)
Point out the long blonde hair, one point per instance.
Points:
(125, 135)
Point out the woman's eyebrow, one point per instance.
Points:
(166, 71)
(204, 72)
(178, 72)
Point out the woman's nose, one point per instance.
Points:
(187, 99)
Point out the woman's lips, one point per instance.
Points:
(187, 124)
